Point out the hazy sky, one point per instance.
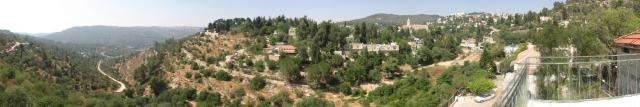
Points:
(39, 16)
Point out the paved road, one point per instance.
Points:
(122, 86)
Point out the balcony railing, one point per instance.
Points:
(572, 79)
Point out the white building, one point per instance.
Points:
(376, 47)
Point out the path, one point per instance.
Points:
(122, 86)
(502, 81)
(15, 45)
(523, 58)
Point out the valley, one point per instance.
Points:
(467, 59)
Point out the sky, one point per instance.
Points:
(45, 16)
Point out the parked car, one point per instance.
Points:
(485, 96)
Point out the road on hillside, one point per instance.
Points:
(502, 81)
(122, 86)
(15, 45)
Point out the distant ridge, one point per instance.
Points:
(133, 37)
(392, 19)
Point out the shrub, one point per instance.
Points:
(313, 102)
(259, 66)
(195, 66)
(271, 65)
(479, 86)
(207, 72)
(222, 75)
(280, 99)
(345, 89)
(158, 85)
(237, 93)
(187, 75)
(257, 83)
(207, 99)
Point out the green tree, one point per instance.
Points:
(257, 83)
(313, 102)
(158, 85)
(480, 85)
(318, 75)
(289, 68)
(355, 74)
(389, 69)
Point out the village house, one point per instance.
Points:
(470, 44)
(628, 44)
(280, 47)
(375, 47)
(293, 33)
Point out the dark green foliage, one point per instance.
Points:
(271, 65)
(14, 98)
(158, 85)
(313, 102)
(389, 69)
(257, 83)
(174, 97)
(259, 66)
(222, 75)
(318, 75)
(403, 91)
(207, 99)
(195, 66)
(345, 89)
(188, 75)
(207, 72)
(355, 74)
(129, 93)
(289, 68)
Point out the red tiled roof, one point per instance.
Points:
(631, 39)
(288, 47)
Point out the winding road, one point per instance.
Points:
(122, 86)
(15, 45)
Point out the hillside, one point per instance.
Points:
(36, 72)
(392, 19)
(128, 37)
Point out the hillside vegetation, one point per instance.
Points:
(123, 37)
(396, 20)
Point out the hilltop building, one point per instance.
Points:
(414, 26)
(293, 33)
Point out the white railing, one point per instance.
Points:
(571, 79)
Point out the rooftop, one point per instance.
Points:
(632, 39)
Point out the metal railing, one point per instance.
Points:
(570, 79)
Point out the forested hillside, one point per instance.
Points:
(280, 61)
(123, 37)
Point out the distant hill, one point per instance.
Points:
(134, 37)
(392, 19)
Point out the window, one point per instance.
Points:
(625, 50)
